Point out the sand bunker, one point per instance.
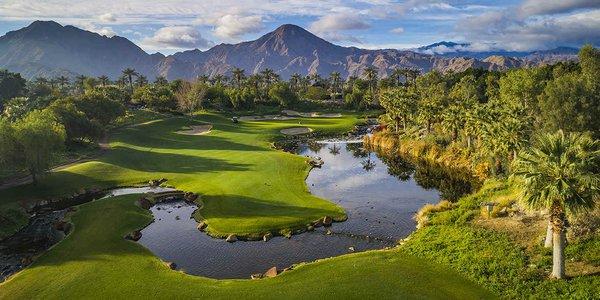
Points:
(310, 114)
(196, 130)
(265, 118)
(296, 130)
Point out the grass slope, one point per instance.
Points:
(94, 261)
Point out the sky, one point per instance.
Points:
(168, 26)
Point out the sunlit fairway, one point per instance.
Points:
(247, 188)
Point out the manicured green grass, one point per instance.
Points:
(247, 187)
(94, 261)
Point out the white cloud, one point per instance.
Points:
(339, 21)
(397, 30)
(508, 29)
(101, 30)
(176, 37)
(232, 27)
(107, 18)
(541, 7)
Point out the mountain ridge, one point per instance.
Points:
(47, 48)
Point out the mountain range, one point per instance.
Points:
(48, 49)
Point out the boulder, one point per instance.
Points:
(134, 236)
(310, 228)
(329, 232)
(231, 238)
(267, 236)
(272, 272)
(318, 223)
(327, 221)
(201, 226)
(171, 265)
(144, 203)
(351, 249)
(190, 197)
(256, 276)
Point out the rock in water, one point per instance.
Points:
(201, 226)
(272, 272)
(171, 265)
(231, 238)
(327, 221)
(267, 237)
(144, 203)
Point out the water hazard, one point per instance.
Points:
(380, 196)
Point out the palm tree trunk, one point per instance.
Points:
(548, 241)
(557, 218)
(558, 255)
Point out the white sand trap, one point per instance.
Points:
(265, 118)
(296, 130)
(196, 130)
(309, 114)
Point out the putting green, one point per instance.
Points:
(247, 188)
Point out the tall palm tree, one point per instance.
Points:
(238, 76)
(41, 80)
(335, 78)
(62, 81)
(218, 79)
(560, 174)
(397, 74)
(370, 75)
(129, 73)
(295, 80)
(104, 80)
(161, 80)
(79, 80)
(141, 80)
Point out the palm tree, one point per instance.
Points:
(295, 81)
(218, 79)
(79, 79)
(370, 75)
(41, 80)
(560, 174)
(161, 80)
(129, 73)
(104, 80)
(336, 79)
(397, 74)
(62, 81)
(141, 80)
(238, 76)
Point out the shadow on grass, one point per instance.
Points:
(238, 206)
(148, 161)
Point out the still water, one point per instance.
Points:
(380, 196)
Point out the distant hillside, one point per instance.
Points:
(50, 49)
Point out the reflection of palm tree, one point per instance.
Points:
(335, 150)
(368, 164)
(356, 149)
(397, 167)
(315, 147)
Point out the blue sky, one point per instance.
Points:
(169, 26)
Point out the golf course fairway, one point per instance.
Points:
(246, 187)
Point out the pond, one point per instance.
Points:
(380, 196)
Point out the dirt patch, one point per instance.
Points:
(525, 230)
(296, 130)
(196, 130)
